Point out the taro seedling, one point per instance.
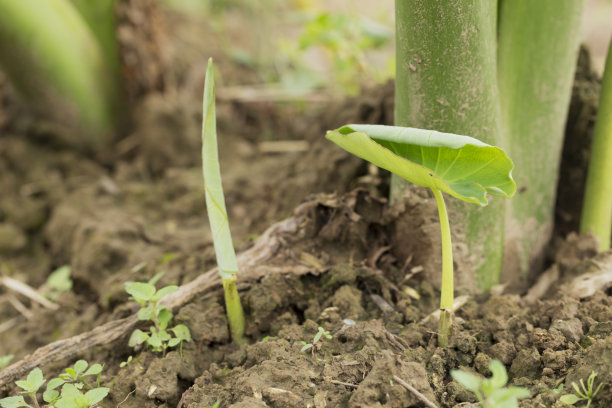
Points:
(159, 337)
(492, 392)
(217, 213)
(70, 395)
(316, 341)
(583, 392)
(461, 166)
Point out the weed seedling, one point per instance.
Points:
(492, 392)
(316, 341)
(583, 392)
(217, 213)
(126, 362)
(59, 282)
(159, 337)
(5, 360)
(461, 166)
(72, 382)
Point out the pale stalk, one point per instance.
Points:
(447, 289)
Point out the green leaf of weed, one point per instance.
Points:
(146, 313)
(94, 369)
(96, 395)
(569, 399)
(468, 380)
(163, 292)
(182, 332)
(163, 318)
(137, 337)
(79, 367)
(13, 402)
(140, 291)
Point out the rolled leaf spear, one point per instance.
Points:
(461, 166)
(217, 214)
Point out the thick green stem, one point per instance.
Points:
(52, 57)
(447, 289)
(597, 208)
(446, 80)
(538, 47)
(235, 315)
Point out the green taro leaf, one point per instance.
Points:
(13, 402)
(140, 291)
(461, 166)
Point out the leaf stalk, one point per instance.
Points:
(447, 288)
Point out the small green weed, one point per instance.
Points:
(126, 362)
(583, 393)
(159, 337)
(5, 360)
(492, 392)
(59, 282)
(72, 382)
(316, 341)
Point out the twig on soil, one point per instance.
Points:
(393, 339)
(416, 392)
(254, 264)
(27, 291)
(128, 396)
(343, 383)
(20, 307)
(8, 325)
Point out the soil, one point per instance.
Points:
(362, 262)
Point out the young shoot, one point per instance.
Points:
(217, 213)
(492, 392)
(584, 392)
(461, 166)
(159, 337)
(316, 341)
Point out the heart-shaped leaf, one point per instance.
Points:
(461, 166)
